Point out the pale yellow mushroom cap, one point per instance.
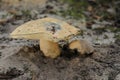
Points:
(46, 28)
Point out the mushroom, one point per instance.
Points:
(82, 46)
(49, 31)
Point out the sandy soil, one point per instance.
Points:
(21, 59)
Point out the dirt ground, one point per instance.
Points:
(22, 59)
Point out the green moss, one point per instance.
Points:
(117, 37)
(97, 39)
(113, 29)
(73, 13)
(76, 8)
(105, 37)
(99, 30)
(26, 13)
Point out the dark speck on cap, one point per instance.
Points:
(53, 27)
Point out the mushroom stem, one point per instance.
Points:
(49, 48)
(82, 46)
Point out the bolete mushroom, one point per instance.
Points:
(49, 31)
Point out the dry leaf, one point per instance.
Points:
(90, 8)
(3, 21)
(97, 17)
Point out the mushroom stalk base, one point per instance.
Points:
(49, 48)
(82, 46)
